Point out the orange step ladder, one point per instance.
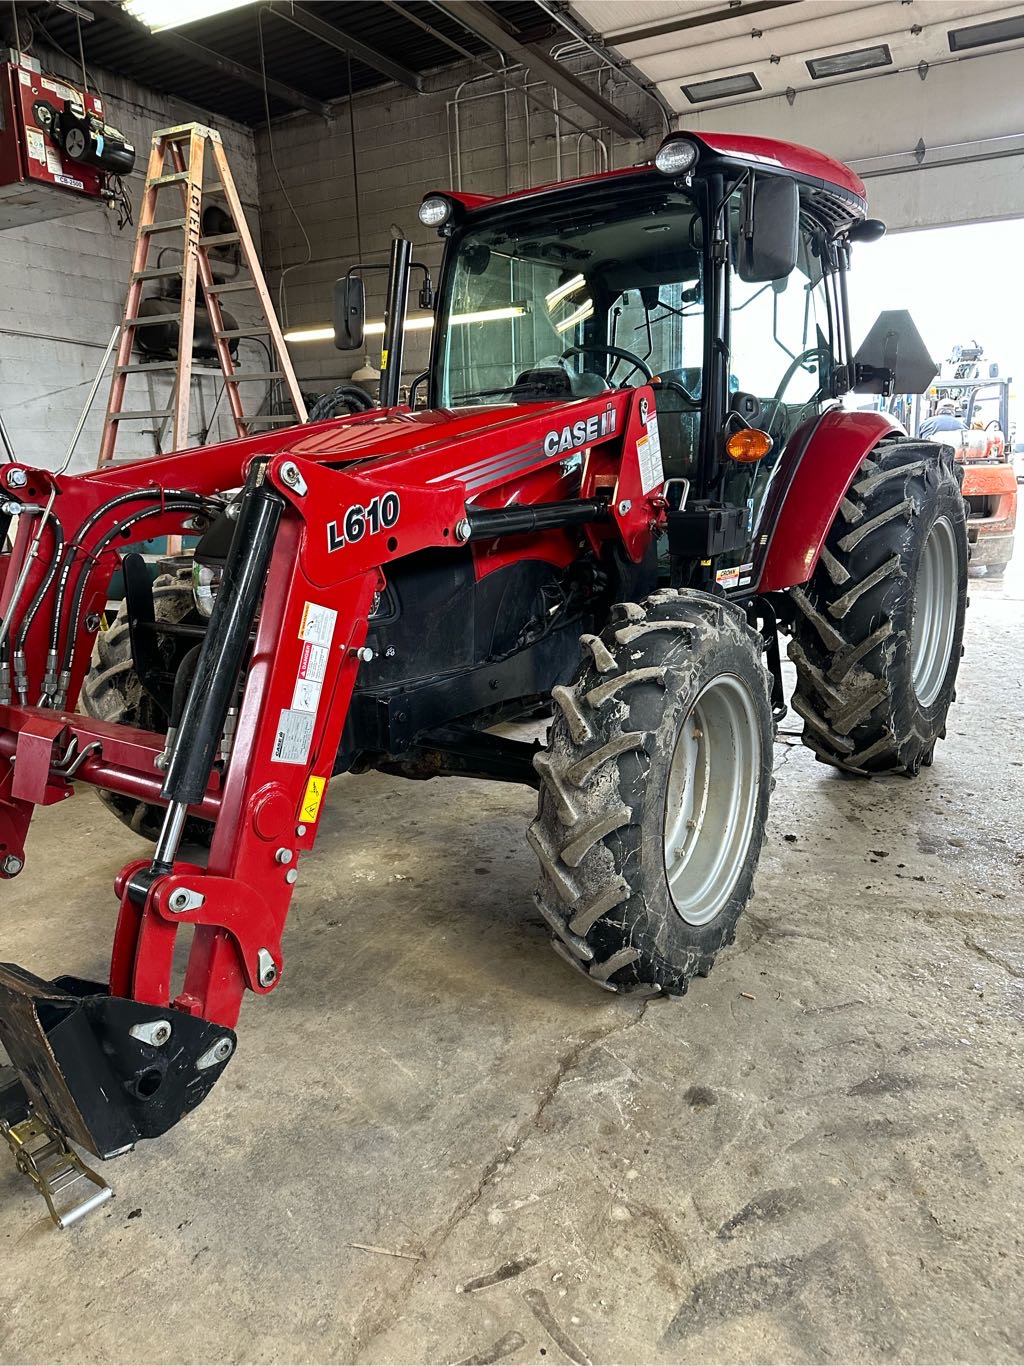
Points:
(187, 145)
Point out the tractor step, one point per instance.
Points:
(70, 1188)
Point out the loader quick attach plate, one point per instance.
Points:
(102, 1070)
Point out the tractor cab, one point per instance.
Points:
(715, 275)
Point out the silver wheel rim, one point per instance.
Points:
(711, 800)
(935, 603)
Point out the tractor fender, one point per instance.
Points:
(817, 468)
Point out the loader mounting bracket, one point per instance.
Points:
(101, 1070)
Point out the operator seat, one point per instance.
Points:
(554, 381)
(678, 425)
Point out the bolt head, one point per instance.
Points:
(223, 1049)
(463, 530)
(161, 1034)
(364, 654)
(300, 830)
(17, 479)
(178, 901)
(292, 876)
(12, 865)
(283, 856)
(624, 507)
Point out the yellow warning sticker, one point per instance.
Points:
(315, 789)
(383, 359)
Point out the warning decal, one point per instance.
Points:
(648, 449)
(317, 625)
(735, 576)
(35, 145)
(312, 669)
(315, 789)
(294, 736)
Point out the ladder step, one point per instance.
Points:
(151, 320)
(164, 225)
(146, 367)
(276, 420)
(139, 415)
(231, 288)
(231, 334)
(221, 239)
(173, 178)
(241, 376)
(156, 273)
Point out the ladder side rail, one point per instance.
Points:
(205, 274)
(192, 194)
(126, 341)
(259, 283)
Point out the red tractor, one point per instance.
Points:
(632, 474)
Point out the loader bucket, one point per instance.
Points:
(104, 1070)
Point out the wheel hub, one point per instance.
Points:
(711, 799)
(935, 606)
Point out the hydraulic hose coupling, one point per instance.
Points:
(49, 677)
(20, 676)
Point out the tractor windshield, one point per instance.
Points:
(522, 293)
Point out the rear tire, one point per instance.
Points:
(878, 633)
(654, 793)
(113, 691)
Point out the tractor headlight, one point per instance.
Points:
(676, 156)
(435, 211)
(206, 579)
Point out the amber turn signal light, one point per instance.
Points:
(748, 445)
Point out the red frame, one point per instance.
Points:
(436, 463)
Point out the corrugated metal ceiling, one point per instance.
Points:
(292, 57)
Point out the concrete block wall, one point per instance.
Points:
(405, 145)
(62, 289)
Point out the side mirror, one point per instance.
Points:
(349, 313)
(747, 407)
(770, 233)
(892, 358)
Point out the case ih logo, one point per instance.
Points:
(580, 433)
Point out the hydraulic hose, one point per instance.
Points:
(55, 687)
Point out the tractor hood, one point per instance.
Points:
(398, 433)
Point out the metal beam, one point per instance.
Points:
(315, 27)
(187, 47)
(718, 16)
(485, 24)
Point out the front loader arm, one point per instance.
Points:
(310, 551)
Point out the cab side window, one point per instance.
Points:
(781, 338)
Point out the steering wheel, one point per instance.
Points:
(817, 353)
(619, 353)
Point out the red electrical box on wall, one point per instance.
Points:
(56, 151)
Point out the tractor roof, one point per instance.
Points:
(831, 186)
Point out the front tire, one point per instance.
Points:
(113, 691)
(878, 633)
(654, 793)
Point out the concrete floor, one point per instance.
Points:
(815, 1156)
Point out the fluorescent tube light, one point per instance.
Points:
(374, 329)
(161, 14)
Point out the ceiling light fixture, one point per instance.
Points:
(373, 329)
(161, 14)
(721, 87)
(844, 63)
(980, 35)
